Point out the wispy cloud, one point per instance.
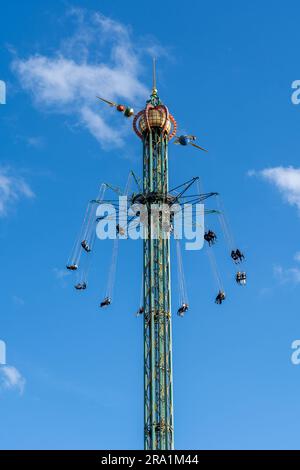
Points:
(61, 273)
(285, 179)
(68, 81)
(11, 379)
(12, 188)
(290, 275)
(35, 142)
(297, 256)
(287, 275)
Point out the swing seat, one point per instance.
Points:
(72, 267)
(106, 302)
(182, 310)
(80, 286)
(85, 246)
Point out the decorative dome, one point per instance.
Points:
(156, 118)
(155, 115)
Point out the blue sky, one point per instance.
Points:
(74, 374)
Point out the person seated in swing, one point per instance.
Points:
(241, 278)
(81, 286)
(140, 311)
(240, 255)
(237, 256)
(220, 297)
(120, 230)
(210, 237)
(85, 246)
(182, 310)
(106, 302)
(72, 267)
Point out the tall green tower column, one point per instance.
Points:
(154, 129)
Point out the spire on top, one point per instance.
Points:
(154, 98)
(154, 89)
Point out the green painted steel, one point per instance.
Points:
(158, 386)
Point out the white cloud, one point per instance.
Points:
(99, 128)
(61, 275)
(286, 179)
(35, 142)
(11, 378)
(12, 188)
(99, 59)
(287, 275)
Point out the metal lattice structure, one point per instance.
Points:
(155, 126)
(155, 133)
(158, 382)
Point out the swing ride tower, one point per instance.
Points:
(155, 126)
(157, 206)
